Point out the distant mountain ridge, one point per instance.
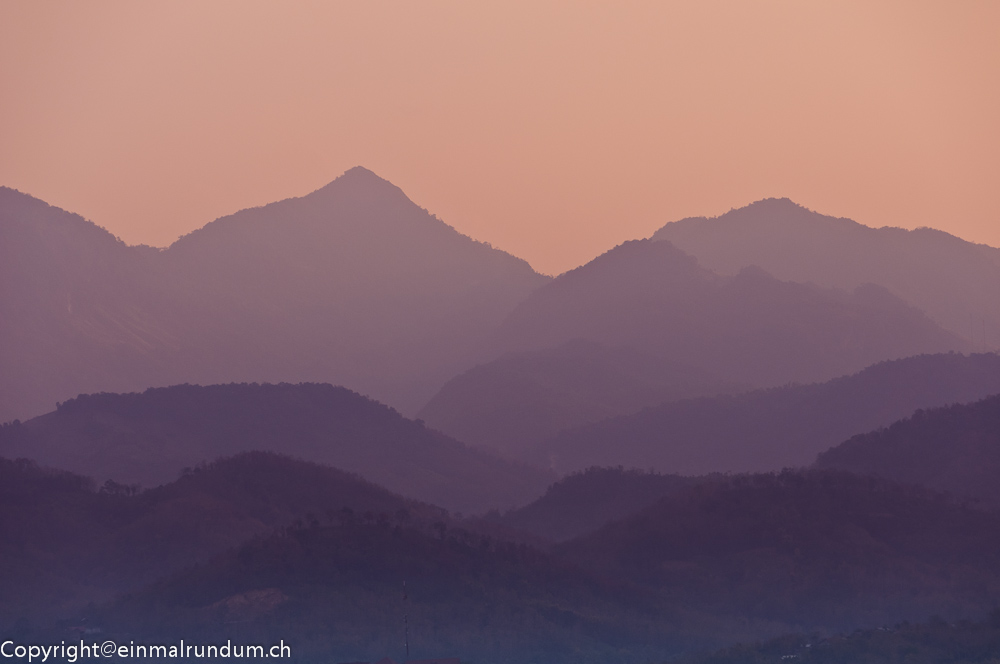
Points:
(953, 280)
(517, 401)
(767, 430)
(150, 437)
(750, 328)
(352, 284)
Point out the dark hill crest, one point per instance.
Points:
(148, 438)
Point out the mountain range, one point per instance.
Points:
(149, 438)
(750, 328)
(336, 421)
(515, 402)
(352, 284)
(954, 281)
(68, 544)
(765, 430)
(632, 566)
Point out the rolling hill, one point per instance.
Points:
(812, 549)
(67, 544)
(583, 502)
(953, 448)
(519, 400)
(772, 429)
(149, 438)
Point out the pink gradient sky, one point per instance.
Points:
(552, 130)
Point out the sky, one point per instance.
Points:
(552, 130)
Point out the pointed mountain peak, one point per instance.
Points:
(363, 183)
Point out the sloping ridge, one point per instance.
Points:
(750, 328)
(954, 448)
(149, 438)
(953, 280)
(772, 429)
(352, 284)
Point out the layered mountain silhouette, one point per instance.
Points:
(67, 544)
(260, 544)
(750, 328)
(954, 281)
(776, 428)
(353, 284)
(466, 595)
(815, 549)
(519, 400)
(584, 502)
(954, 448)
(77, 311)
(737, 558)
(149, 438)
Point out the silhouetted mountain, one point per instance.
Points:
(954, 281)
(519, 400)
(76, 311)
(812, 549)
(772, 429)
(954, 449)
(336, 594)
(320, 547)
(353, 284)
(149, 438)
(933, 642)
(713, 563)
(750, 328)
(585, 501)
(67, 544)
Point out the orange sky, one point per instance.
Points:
(552, 130)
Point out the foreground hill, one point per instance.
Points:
(519, 400)
(260, 546)
(954, 281)
(149, 438)
(67, 544)
(352, 283)
(772, 429)
(954, 449)
(466, 596)
(817, 550)
(751, 328)
(720, 562)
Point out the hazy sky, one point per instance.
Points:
(552, 130)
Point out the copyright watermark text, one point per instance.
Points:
(71, 652)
